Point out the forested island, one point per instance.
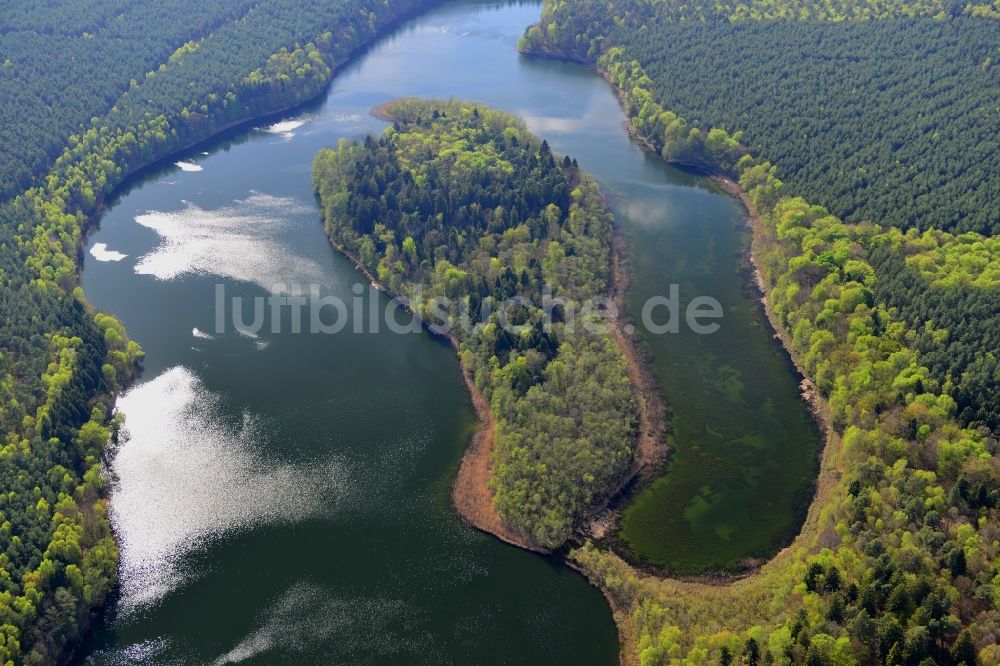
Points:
(474, 222)
(861, 137)
(897, 562)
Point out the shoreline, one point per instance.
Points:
(215, 133)
(91, 223)
(754, 222)
(619, 614)
(471, 495)
(90, 226)
(828, 473)
(651, 448)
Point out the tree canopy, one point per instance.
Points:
(136, 81)
(896, 326)
(892, 121)
(461, 202)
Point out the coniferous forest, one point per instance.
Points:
(863, 138)
(873, 234)
(135, 81)
(892, 119)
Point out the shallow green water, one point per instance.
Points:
(284, 498)
(744, 444)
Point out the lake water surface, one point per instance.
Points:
(284, 498)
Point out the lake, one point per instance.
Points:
(284, 498)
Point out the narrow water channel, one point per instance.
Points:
(284, 498)
(743, 443)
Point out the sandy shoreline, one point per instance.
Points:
(651, 446)
(829, 471)
(651, 449)
(471, 494)
(381, 111)
(828, 475)
(753, 222)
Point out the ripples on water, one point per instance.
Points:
(309, 614)
(318, 528)
(184, 476)
(239, 241)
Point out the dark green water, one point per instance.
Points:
(744, 444)
(284, 498)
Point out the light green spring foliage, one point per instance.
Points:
(899, 561)
(460, 202)
(945, 260)
(850, 10)
(60, 363)
(941, 285)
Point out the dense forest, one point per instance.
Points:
(102, 48)
(960, 346)
(460, 202)
(887, 294)
(119, 62)
(824, 10)
(898, 560)
(897, 563)
(890, 120)
(130, 96)
(953, 308)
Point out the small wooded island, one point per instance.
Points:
(460, 211)
(459, 204)
(215, 496)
